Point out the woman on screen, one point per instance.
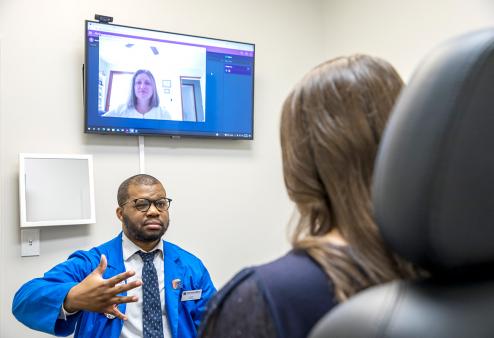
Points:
(144, 102)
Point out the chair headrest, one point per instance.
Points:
(433, 190)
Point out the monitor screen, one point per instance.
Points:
(146, 82)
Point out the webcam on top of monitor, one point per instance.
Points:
(103, 18)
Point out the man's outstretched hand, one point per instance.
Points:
(97, 294)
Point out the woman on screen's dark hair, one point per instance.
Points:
(331, 125)
(143, 99)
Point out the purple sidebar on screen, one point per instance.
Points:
(213, 49)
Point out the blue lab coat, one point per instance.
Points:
(37, 303)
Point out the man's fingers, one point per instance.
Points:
(116, 312)
(120, 277)
(123, 299)
(102, 265)
(120, 315)
(127, 287)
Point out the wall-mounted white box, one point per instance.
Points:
(56, 189)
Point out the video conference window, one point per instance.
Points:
(143, 79)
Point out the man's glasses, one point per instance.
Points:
(143, 204)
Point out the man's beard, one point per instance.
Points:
(134, 232)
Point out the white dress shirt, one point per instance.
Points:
(132, 327)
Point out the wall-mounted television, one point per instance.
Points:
(147, 82)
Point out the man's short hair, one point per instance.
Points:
(140, 179)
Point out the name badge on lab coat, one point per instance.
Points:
(191, 295)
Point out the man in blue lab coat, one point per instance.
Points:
(135, 285)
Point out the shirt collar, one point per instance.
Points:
(129, 248)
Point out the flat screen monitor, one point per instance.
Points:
(147, 82)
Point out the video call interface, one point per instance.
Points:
(183, 85)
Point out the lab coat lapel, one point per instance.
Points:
(114, 256)
(173, 270)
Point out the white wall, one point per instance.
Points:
(234, 213)
(400, 31)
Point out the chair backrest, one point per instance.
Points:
(433, 198)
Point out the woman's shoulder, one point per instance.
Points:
(292, 263)
(288, 294)
(236, 285)
(163, 113)
(120, 111)
(239, 309)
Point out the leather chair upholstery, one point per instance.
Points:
(433, 198)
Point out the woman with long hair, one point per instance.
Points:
(331, 125)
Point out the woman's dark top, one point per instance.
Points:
(284, 299)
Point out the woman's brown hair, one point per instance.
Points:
(331, 125)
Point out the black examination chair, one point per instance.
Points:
(433, 197)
